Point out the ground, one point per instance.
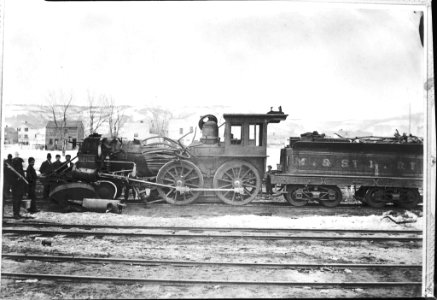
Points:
(213, 249)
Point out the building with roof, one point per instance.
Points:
(11, 135)
(138, 130)
(23, 133)
(73, 133)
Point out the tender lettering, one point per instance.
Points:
(345, 163)
(412, 164)
(326, 162)
(401, 165)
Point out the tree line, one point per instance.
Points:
(101, 112)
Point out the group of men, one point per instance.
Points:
(18, 182)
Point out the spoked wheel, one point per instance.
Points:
(409, 198)
(295, 195)
(182, 173)
(375, 197)
(237, 174)
(330, 196)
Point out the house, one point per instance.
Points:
(179, 127)
(73, 133)
(11, 135)
(37, 138)
(23, 133)
(138, 130)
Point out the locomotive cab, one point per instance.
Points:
(236, 162)
(246, 134)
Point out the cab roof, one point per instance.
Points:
(269, 118)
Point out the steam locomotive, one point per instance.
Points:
(312, 167)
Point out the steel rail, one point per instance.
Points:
(193, 228)
(197, 281)
(115, 260)
(177, 235)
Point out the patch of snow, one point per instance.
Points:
(372, 222)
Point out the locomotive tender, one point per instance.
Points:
(311, 167)
(314, 169)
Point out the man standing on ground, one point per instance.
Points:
(46, 169)
(7, 176)
(31, 178)
(18, 185)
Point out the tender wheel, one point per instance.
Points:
(295, 196)
(375, 197)
(409, 198)
(237, 174)
(181, 173)
(330, 196)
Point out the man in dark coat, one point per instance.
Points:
(31, 178)
(18, 186)
(67, 165)
(45, 169)
(7, 176)
(57, 164)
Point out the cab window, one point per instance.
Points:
(235, 134)
(255, 134)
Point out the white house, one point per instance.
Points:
(135, 130)
(37, 137)
(23, 133)
(179, 127)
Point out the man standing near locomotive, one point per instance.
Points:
(18, 185)
(57, 164)
(7, 176)
(31, 178)
(67, 165)
(268, 182)
(45, 169)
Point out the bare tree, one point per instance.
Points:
(116, 118)
(98, 112)
(159, 121)
(57, 108)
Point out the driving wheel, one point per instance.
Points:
(237, 174)
(179, 173)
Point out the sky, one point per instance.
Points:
(324, 61)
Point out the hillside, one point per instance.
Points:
(37, 116)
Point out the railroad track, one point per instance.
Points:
(203, 282)
(83, 269)
(193, 281)
(130, 261)
(30, 228)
